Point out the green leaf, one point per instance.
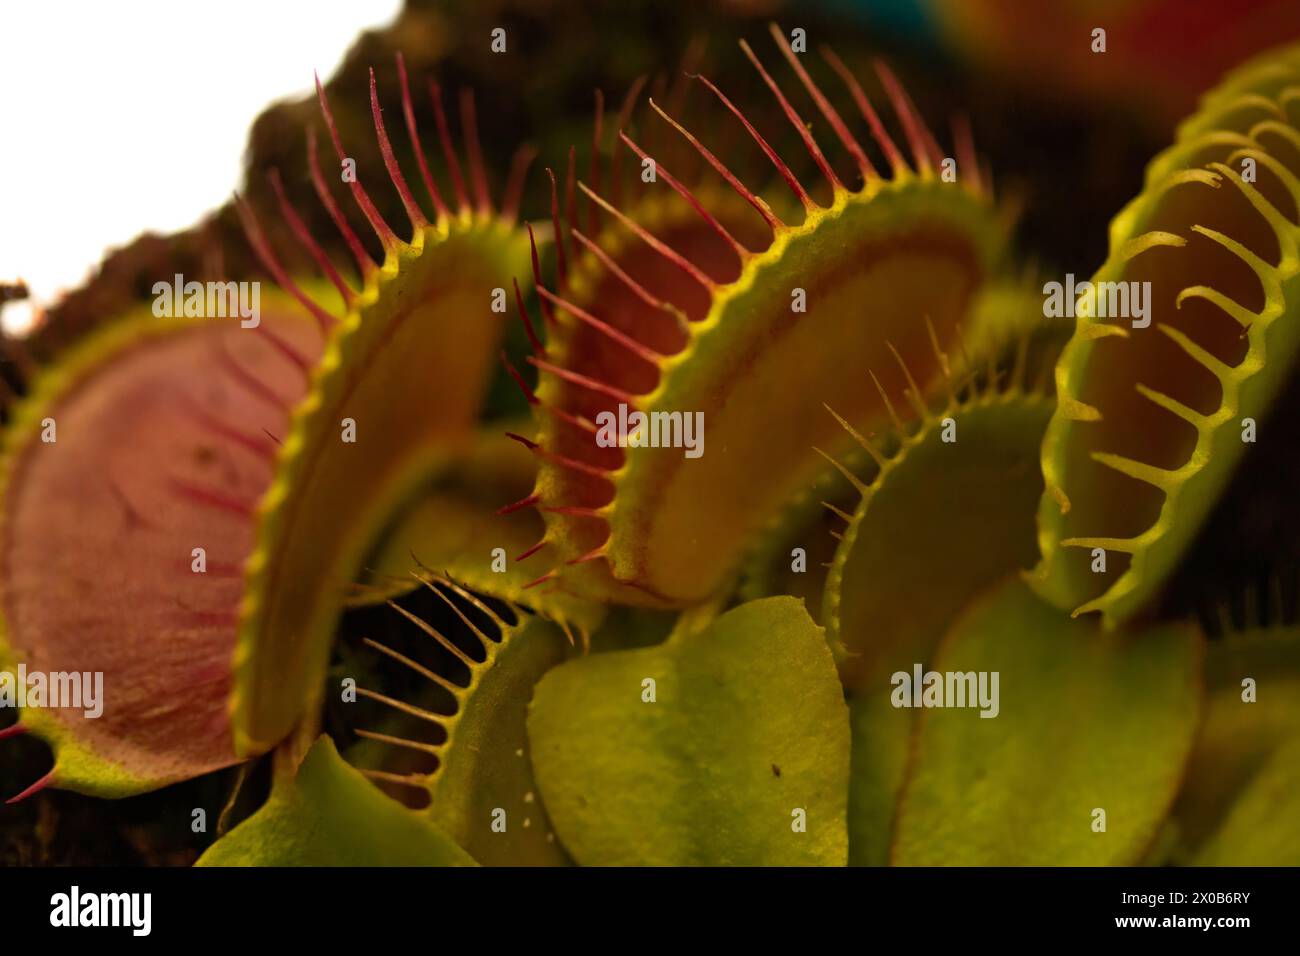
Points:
(748, 726)
(331, 815)
(1087, 720)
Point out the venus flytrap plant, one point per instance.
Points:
(946, 503)
(944, 522)
(1148, 429)
(796, 552)
(944, 510)
(335, 457)
(481, 789)
(631, 265)
(256, 449)
(130, 475)
(768, 344)
(407, 368)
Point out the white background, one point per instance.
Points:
(124, 116)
